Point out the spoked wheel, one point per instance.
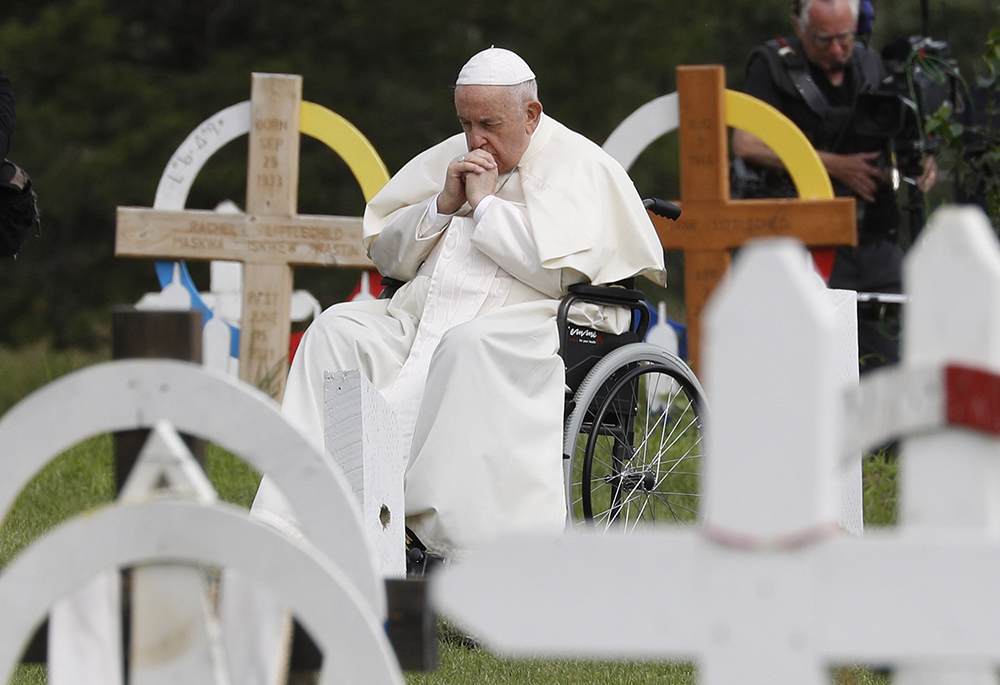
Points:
(634, 442)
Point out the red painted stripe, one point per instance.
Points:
(973, 399)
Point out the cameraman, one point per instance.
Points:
(814, 79)
(6, 114)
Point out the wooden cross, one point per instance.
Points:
(269, 238)
(712, 224)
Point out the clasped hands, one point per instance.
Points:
(859, 173)
(470, 178)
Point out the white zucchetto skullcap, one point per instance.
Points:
(494, 67)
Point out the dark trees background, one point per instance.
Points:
(107, 89)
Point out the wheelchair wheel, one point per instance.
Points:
(634, 441)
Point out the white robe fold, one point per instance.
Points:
(466, 352)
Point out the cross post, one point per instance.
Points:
(270, 238)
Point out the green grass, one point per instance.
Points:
(83, 478)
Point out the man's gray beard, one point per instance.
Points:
(837, 67)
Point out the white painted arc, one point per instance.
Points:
(130, 394)
(325, 600)
(635, 133)
(234, 122)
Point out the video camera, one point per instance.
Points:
(922, 78)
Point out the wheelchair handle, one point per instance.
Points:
(668, 210)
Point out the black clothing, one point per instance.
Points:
(6, 114)
(770, 78)
(18, 202)
(779, 74)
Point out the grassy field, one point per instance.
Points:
(83, 478)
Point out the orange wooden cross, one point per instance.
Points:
(269, 238)
(712, 224)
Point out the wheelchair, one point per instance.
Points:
(635, 414)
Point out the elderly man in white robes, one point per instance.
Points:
(488, 229)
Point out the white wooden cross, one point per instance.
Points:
(164, 538)
(134, 394)
(769, 591)
(269, 239)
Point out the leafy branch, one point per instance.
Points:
(970, 144)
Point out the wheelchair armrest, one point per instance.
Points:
(614, 295)
(389, 287)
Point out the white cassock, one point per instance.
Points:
(466, 352)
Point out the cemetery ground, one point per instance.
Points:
(83, 478)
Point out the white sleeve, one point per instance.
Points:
(503, 234)
(407, 238)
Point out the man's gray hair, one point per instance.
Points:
(804, 6)
(525, 92)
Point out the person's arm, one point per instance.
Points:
(407, 239)
(6, 114)
(857, 171)
(929, 176)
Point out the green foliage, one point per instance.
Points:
(970, 145)
(879, 487)
(107, 89)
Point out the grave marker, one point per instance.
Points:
(270, 238)
(768, 592)
(135, 394)
(349, 633)
(712, 224)
(362, 436)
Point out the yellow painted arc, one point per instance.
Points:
(346, 140)
(787, 140)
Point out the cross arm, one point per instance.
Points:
(642, 591)
(187, 234)
(200, 234)
(731, 223)
(308, 240)
(896, 597)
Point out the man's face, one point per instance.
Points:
(495, 122)
(829, 39)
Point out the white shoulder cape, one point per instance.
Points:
(584, 211)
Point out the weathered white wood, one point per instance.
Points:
(773, 450)
(770, 596)
(952, 479)
(771, 476)
(362, 436)
(173, 297)
(845, 309)
(877, 599)
(953, 278)
(216, 344)
(894, 401)
(175, 636)
(325, 600)
(540, 596)
(124, 395)
(94, 652)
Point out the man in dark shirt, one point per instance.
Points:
(814, 79)
(6, 114)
